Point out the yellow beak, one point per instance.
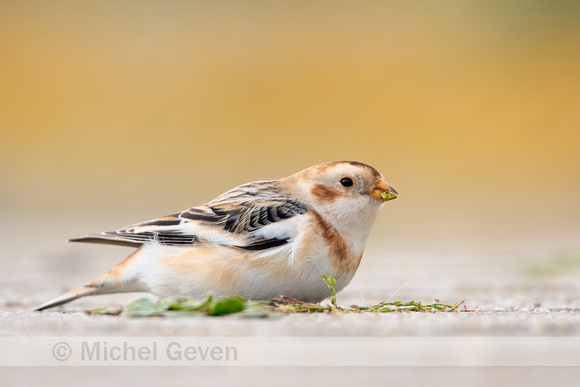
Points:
(384, 192)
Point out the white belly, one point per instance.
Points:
(195, 272)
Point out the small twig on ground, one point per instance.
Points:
(289, 300)
(456, 306)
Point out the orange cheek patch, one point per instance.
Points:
(324, 194)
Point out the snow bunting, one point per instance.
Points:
(260, 240)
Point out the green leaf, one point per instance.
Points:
(191, 305)
(329, 281)
(144, 307)
(227, 305)
(252, 303)
(255, 313)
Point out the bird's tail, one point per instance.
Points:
(68, 297)
(120, 279)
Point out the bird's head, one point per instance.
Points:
(345, 191)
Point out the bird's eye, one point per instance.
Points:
(346, 182)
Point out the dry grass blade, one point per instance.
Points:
(457, 306)
(289, 300)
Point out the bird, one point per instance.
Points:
(260, 240)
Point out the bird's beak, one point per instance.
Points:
(384, 192)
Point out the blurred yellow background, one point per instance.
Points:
(116, 112)
(130, 110)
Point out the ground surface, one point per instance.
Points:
(518, 289)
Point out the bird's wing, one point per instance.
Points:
(254, 216)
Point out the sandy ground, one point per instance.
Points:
(490, 276)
